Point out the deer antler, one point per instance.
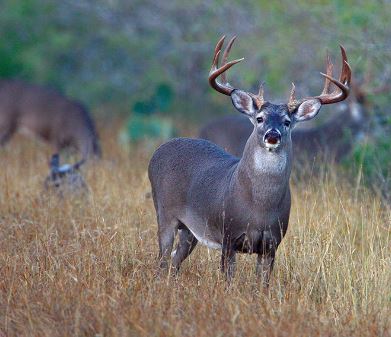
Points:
(224, 87)
(363, 88)
(327, 97)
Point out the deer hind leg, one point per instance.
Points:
(186, 244)
(264, 268)
(167, 230)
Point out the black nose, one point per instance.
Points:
(272, 136)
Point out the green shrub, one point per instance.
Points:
(148, 128)
(373, 160)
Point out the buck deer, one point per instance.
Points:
(66, 179)
(236, 205)
(332, 139)
(48, 115)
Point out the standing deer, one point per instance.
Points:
(236, 205)
(48, 115)
(332, 139)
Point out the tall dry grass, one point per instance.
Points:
(88, 267)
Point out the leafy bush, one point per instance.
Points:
(146, 123)
(146, 128)
(372, 160)
(160, 101)
(115, 53)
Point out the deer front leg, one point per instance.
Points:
(265, 260)
(186, 244)
(264, 268)
(228, 263)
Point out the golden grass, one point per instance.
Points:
(88, 267)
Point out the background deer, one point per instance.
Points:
(236, 205)
(48, 115)
(334, 138)
(65, 180)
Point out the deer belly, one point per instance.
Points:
(201, 230)
(203, 239)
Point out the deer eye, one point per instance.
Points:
(287, 123)
(260, 119)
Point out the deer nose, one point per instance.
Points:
(272, 137)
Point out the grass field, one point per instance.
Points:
(88, 267)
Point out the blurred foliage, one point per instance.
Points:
(160, 101)
(146, 123)
(143, 128)
(114, 54)
(372, 157)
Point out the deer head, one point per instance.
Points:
(64, 178)
(273, 123)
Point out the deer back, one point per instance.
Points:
(45, 113)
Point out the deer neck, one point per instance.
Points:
(264, 174)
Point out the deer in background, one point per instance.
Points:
(230, 132)
(47, 115)
(334, 138)
(65, 180)
(236, 205)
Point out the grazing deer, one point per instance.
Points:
(332, 139)
(236, 205)
(66, 179)
(48, 115)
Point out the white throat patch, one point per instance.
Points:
(269, 161)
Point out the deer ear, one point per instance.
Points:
(243, 102)
(307, 110)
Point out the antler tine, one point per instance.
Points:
(216, 71)
(346, 72)
(329, 72)
(258, 98)
(216, 55)
(343, 84)
(261, 91)
(225, 58)
(292, 96)
(224, 87)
